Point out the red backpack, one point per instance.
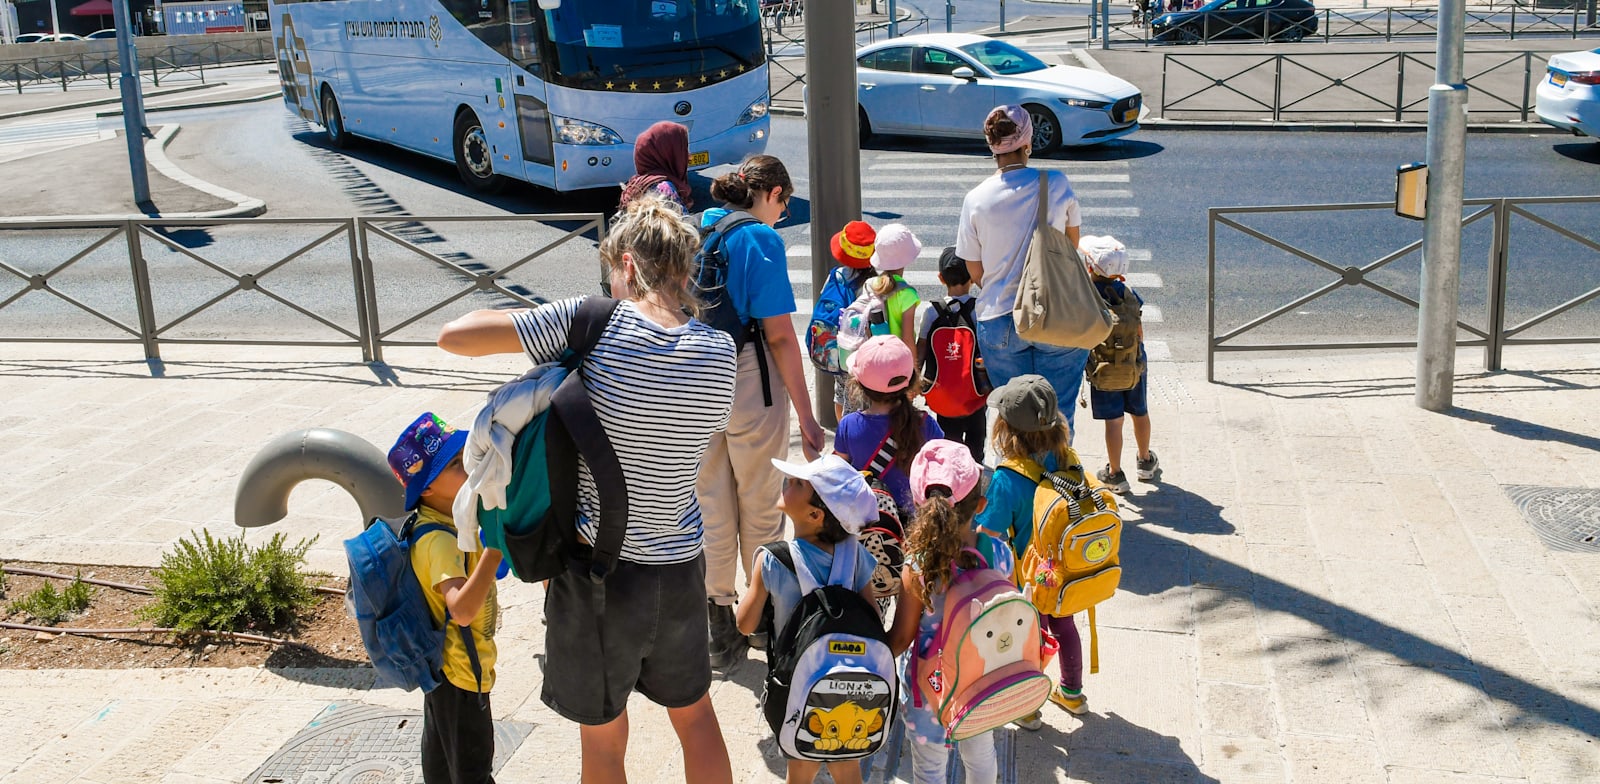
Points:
(957, 382)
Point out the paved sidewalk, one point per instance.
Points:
(1328, 585)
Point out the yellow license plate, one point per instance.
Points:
(1130, 115)
(1558, 79)
(699, 158)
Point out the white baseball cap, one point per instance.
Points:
(841, 487)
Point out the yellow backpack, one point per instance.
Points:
(1071, 563)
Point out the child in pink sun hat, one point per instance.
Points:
(884, 436)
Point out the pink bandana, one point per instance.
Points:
(1018, 138)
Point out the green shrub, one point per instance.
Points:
(3, 579)
(226, 584)
(50, 606)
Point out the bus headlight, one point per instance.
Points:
(755, 111)
(570, 131)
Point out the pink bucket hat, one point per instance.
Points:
(882, 364)
(1018, 138)
(947, 464)
(895, 249)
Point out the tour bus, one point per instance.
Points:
(552, 92)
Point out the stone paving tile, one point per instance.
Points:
(1245, 760)
(1434, 721)
(1229, 643)
(1289, 584)
(1315, 689)
(95, 738)
(159, 745)
(1392, 613)
(1236, 711)
(1317, 760)
(1561, 625)
(238, 746)
(1402, 775)
(1132, 710)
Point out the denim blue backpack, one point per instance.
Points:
(397, 629)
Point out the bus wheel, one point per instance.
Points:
(332, 120)
(474, 159)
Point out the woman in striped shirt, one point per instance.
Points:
(661, 383)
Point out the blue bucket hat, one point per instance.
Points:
(421, 452)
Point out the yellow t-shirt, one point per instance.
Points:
(435, 558)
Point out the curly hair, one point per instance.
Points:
(662, 243)
(905, 419)
(1014, 444)
(937, 535)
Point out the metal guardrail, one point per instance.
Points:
(353, 239)
(1392, 85)
(1493, 336)
(785, 49)
(156, 63)
(1387, 24)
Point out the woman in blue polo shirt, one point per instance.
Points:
(738, 486)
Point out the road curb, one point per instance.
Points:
(155, 152)
(103, 101)
(200, 104)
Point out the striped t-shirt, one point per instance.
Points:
(661, 393)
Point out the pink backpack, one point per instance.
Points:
(984, 668)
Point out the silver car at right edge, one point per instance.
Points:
(1569, 94)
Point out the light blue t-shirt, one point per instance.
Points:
(1010, 510)
(783, 587)
(758, 268)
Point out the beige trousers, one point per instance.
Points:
(738, 488)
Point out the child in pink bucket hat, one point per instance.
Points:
(883, 437)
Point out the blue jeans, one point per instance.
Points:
(1006, 356)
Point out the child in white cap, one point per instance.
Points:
(1118, 368)
(828, 502)
(895, 249)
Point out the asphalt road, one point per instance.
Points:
(1151, 191)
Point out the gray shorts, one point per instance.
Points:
(643, 629)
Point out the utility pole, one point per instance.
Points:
(894, 27)
(55, 21)
(132, 101)
(833, 137)
(1441, 240)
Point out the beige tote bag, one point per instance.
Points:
(1057, 304)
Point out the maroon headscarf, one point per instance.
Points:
(660, 154)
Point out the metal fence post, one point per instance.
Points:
(1513, 23)
(1527, 79)
(1388, 25)
(1164, 57)
(142, 292)
(361, 283)
(1211, 295)
(1499, 264)
(1277, 87)
(1400, 88)
(370, 289)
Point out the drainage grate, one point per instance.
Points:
(1566, 518)
(356, 743)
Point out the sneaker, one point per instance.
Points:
(759, 641)
(726, 643)
(1149, 469)
(1031, 722)
(1118, 482)
(1075, 704)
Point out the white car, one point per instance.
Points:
(1569, 95)
(945, 84)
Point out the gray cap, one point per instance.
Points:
(1027, 403)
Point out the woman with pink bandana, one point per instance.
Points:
(996, 229)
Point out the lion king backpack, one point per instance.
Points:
(1072, 562)
(831, 688)
(984, 667)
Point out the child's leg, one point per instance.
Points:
(1114, 444)
(805, 772)
(457, 737)
(977, 756)
(1141, 435)
(601, 749)
(705, 754)
(848, 772)
(1071, 655)
(928, 762)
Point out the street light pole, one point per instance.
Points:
(132, 102)
(55, 21)
(1441, 243)
(833, 137)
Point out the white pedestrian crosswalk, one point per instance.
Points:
(923, 191)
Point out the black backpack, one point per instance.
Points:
(711, 286)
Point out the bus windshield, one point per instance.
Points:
(591, 43)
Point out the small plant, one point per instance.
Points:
(50, 606)
(3, 582)
(225, 584)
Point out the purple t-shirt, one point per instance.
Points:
(858, 438)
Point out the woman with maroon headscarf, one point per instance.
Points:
(661, 160)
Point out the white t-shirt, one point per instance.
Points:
(996, 228)
(660, 392)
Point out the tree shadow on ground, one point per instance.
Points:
(1107, 749)
(1490, 383)
(1530, 431)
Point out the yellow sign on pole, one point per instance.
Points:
(1411, 191)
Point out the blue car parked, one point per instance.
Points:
(1261, 20)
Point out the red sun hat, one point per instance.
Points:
(853, 246)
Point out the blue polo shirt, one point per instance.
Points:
(758, 269)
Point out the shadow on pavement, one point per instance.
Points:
(1530, 431)
(1554, 380)
(1108, 749)
(340, 372)
(1583, 152)
(1124, 149)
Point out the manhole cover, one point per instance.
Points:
(1566, 518)
(356, 743)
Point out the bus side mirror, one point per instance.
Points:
(549, 5)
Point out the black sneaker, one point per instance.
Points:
(1117, 482)
(758, 641)
(1149, 469)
